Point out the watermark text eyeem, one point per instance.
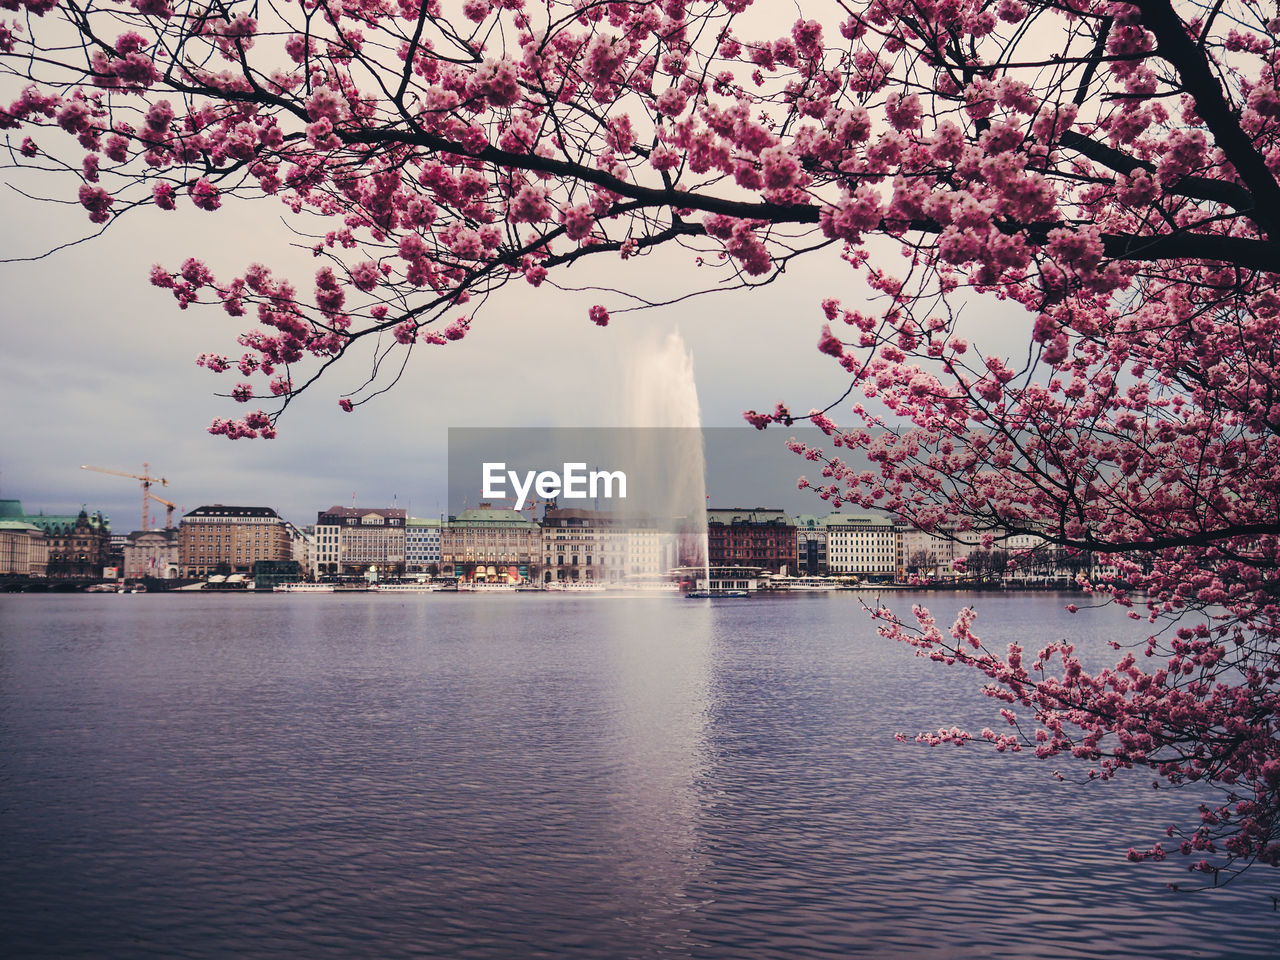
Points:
(575, 482)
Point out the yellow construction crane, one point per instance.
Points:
(169, 507)
(147, 495)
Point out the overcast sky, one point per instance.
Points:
(98, 368)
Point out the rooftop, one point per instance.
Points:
(490, 516)
(388, 512)
(8, 524)
(857, 520)
(741, 515)
(219, 510)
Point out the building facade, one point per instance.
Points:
(576, 544)
(422, 545)
(811, 546)
(269, 574)
(359, 541)
(648, 552)
(24, 550)
(154, 553)
(221, 540)
(488, 544)
(862, 545)
(79, 546)
(760, 538)
(925, 555)
(302, 547)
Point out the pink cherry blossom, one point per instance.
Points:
(205, 195)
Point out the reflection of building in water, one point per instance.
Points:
(488, 544)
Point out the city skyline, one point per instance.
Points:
(102, 371)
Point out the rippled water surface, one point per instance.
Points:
(536, 776)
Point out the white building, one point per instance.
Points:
(647, 552)
(24, 549)
(922, 554)
(153, 553)
(304, 547)
(355, 541)
(863, 545)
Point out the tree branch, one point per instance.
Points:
(1176, 47)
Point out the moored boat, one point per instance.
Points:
(805, 584)
(575, 586)
(301, 587)
(484, 586)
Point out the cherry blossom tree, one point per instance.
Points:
(1106, 170)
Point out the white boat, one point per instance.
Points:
(407, 587)
(482, 586)
(645, 585)
(303, 588)
(805, 584)
(575, 586)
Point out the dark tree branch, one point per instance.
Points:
(1178, 48)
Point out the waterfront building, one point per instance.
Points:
(422, 545)
(151, 553)
(759, 537)
(811, 546)
(577, 545)
(925, 554)
(647, 552)
(324, 550)
(1004, 557)
(78, 546)
(491, 544)
(226, 541)
(734, 579)
(24, 550)
(268, 574)
(115, 554)
(354, 541)
(862, 545)
(302, 546)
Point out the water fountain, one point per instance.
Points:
(661, 407)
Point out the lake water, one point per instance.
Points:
(546, 776)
